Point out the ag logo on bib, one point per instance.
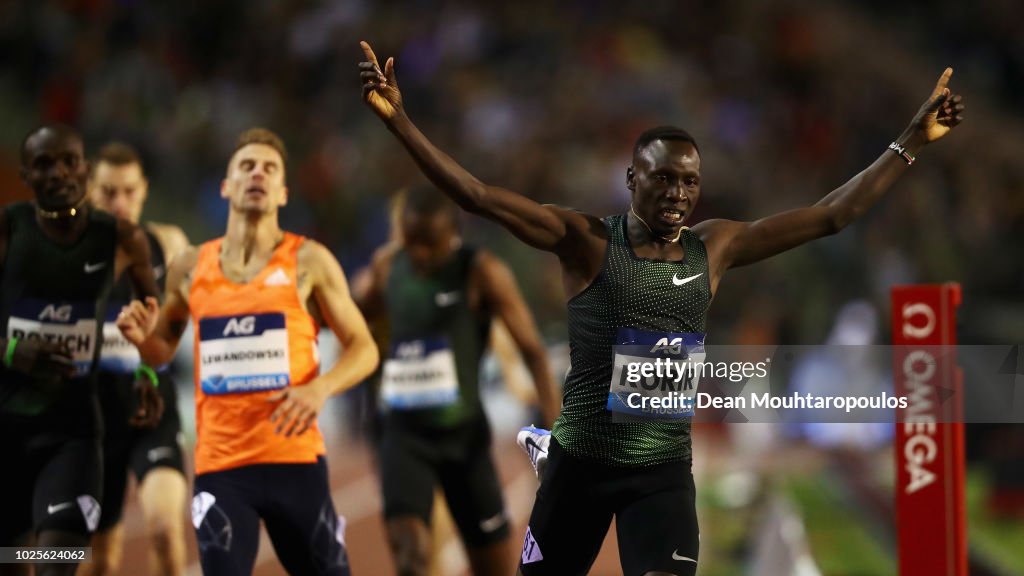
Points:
(55, 313)
(674, 346)
(413, 349)
(240, 326)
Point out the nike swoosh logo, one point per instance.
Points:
(90, 268)
(155, 454)
(535, 446)
(675, 553)
(444, 299)
(493, 523)
(680, 282)
(54, 508)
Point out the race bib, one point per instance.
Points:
(655, 374)
(117, 355)
(71, 324)
(420, 374)
(243, 353)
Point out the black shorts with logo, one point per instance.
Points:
(654, 508)
(294, 503)
(127, 448)
(414, 461)
(52, 471)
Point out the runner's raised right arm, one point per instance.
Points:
(567, 233)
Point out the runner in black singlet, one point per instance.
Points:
(58, 261)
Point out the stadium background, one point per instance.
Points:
(787, 101)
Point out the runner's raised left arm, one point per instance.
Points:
(732, 243)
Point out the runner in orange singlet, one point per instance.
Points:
(255, 297)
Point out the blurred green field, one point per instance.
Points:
(1000, 542)
(839, 537)
(843, 539)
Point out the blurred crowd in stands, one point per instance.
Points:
(787, 101)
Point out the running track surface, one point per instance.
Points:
(356, 491)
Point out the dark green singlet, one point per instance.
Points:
(630, 293)
(430, 318)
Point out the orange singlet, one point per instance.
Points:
(250, 341)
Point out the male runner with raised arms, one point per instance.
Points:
(118, 185)
(254, 297)
(637, 278)
(439, 296)
(58, 260)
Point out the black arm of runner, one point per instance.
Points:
(132, 240)
(748, 242)
(543, 227)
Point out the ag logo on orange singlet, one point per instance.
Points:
(240, 326)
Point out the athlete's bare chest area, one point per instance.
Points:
(236, 268)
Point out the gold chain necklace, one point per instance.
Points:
(662, 238)
(62, 213)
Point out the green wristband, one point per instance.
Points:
(9, 356)
(148, 372)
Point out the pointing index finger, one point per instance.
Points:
(940, 86)
(369, 53)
